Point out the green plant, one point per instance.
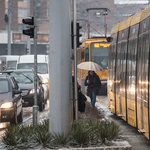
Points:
(80, 133)
(93, 127)
(108, 131)
(114, 131)
(9, 137)
(94, 132)
(42, 135)
(25, 133)
(60, 139)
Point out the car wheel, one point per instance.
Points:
(41, 103)
(14, 119)
(20, 117)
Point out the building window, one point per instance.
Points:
(22, 12)
(21, 27)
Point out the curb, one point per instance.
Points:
(102, 148)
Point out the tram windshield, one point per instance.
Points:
(99, 54)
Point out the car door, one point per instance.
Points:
(17, 98)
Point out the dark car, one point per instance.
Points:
(10, 100)
(25, 80)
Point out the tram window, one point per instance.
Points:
(82, 55)
(87, 54)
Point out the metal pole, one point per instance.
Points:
(105, 24)
(60, 66)
(88, 26)
(75, 60)
(9, 28)
(35, 107)
(28, 38)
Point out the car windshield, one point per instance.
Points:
(11, 64)
(23, 77)
(4, 88)
(42, 68)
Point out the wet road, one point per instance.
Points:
(27, 117)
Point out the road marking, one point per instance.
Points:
(101, 102)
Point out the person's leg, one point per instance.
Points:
(93, 99)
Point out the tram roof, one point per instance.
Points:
(146, 13)
(115, 28)
(136, 18)
(125, 23)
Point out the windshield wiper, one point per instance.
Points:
(27, 77)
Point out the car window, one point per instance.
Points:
(5, 87)
(23, 77)
(42, 68)
(14, 83)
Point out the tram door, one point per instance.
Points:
(111, 81)
(131, 76)
(118, 79)
(121, 74)
(142, 84)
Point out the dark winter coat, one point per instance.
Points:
(93, 85)
(81, 101)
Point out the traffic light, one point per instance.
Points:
(30, 22)
(78, 35)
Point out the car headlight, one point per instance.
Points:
(45, 81)
(32, 91)
(7, 105)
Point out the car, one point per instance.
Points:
(45, 84)
(27, 62)
(10, 100)
(25, 80)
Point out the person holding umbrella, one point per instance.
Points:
(92, 80)
(94, 84)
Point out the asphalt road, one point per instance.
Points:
(28, 117)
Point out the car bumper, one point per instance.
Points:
(7, 114)
(28, 100)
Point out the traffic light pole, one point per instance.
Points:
(75, 59)
(9, 28)
(28, 38)
(35, 107)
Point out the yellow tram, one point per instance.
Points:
(129, 71)
(96, 50)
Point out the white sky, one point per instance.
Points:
(131, 1)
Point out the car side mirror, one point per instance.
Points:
(17, 91)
